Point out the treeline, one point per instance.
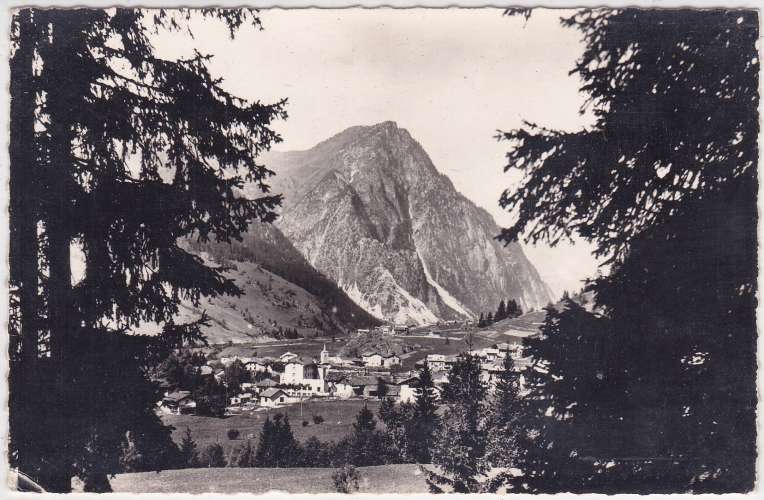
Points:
(508, 309)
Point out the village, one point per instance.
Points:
(289, 378)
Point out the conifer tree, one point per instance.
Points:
(501, 311)
(661, 210)
(122, 163)
(277, 446)
(459, 450)
(188, 452)
(426, 420)
(365, 441)
(504, 416)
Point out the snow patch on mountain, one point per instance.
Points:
(362, 300)
(407, 308)
(445, 296)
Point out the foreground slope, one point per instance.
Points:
(403, 478)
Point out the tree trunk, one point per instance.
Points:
(23, 258)
(57, 202)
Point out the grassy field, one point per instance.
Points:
(404, 478)
(339, 416)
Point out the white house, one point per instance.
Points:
(439, 362)
(257, 365)
(390, 360)
(407, 389)
(273, 397)
(377, 359)
(371, 359)
(303, 372)
(340, 385)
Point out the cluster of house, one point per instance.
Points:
(386, 329)
(301, 377)
(491, 362)
(333, 377)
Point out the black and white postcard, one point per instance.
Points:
(381, 250)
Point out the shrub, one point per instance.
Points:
(304, 423)
(212, 456)
(345, 479)
(318, 419)
(233, 434)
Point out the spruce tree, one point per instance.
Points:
(501, 311)
(188, 452)
(504, 415)
(122, 163)
(656, 207)
(366, 440)
(459, 450)
(425, 422)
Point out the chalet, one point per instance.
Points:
(384, 360)
(206, 371)
(273, 397)
(489, 373)
(256, 365)
(339, 385)
(492, 354)
(287, 356)
(401, 329)
(393, 392)
(407, 389)
(266, 384)
(391, 360)
(371, 358)
(363, 385)
(440, 362)
(362, 331)
(179, 402)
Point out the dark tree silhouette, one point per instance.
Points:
(188, 450)
(664, 185)
(459, 449)
(277, 446)
(364, 446)
(126, 155)
(501, 311)
(504, 413)
(426, 419)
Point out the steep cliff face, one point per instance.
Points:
(368, 209)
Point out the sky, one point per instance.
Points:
(451, 77)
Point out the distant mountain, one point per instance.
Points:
(368, 209)
(282, 293)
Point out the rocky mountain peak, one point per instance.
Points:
(368, 208)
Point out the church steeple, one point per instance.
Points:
(324, 355)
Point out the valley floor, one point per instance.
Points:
(338, 415)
